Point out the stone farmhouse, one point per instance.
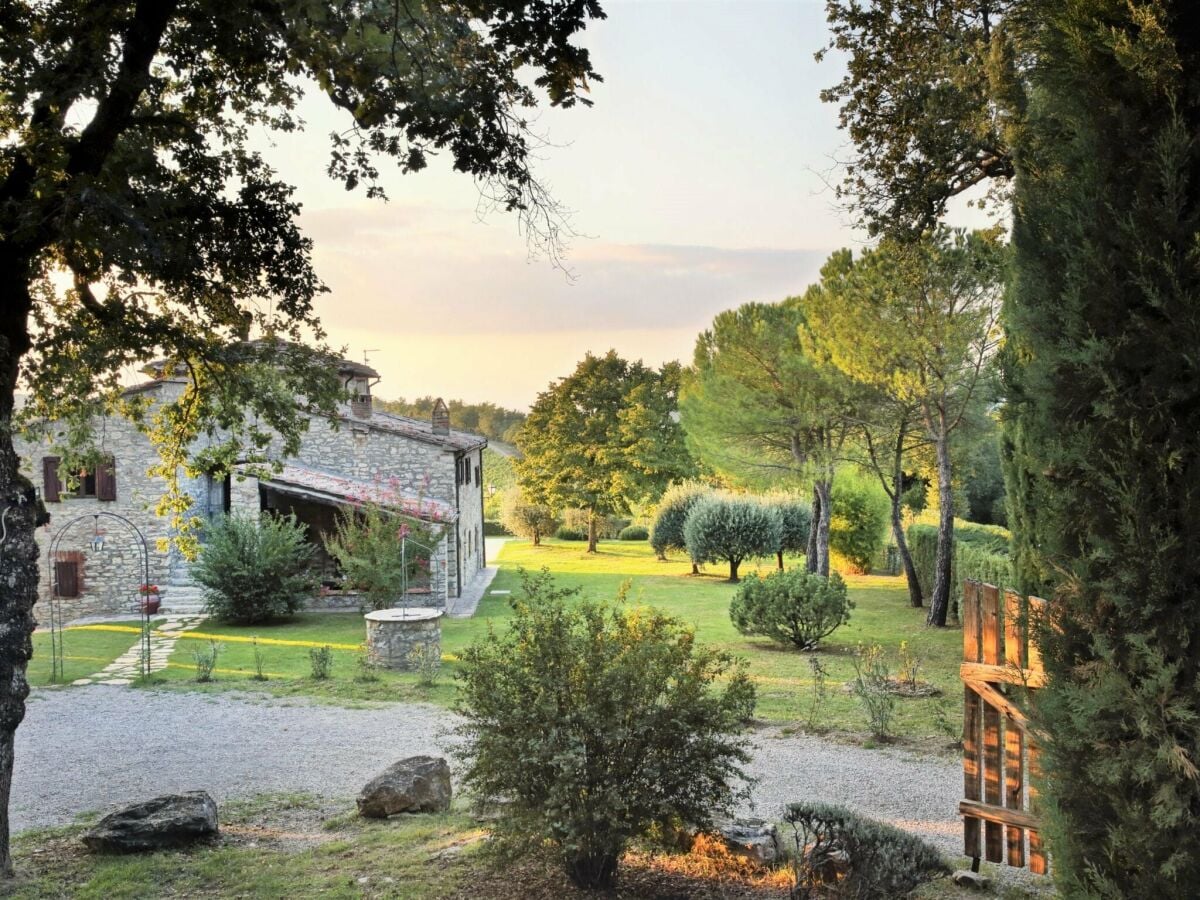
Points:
(424, 468)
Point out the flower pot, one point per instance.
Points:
(150, 604)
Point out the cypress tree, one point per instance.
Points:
(1103, 433)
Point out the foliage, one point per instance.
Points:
(595, 720)
(795, 521)
(667, 531)
(607, 527)
(947, 130)
(380, 552)
(980, 554)
(366, 669)
(820, 692)
(1102, 429)
(792, 607)
(563, 533)
(499, 478)
(858, 528)
(487, 419)
(426, 660)
(603, 436)
(841, 854)
(206, 661)
(528, 520)
(762, 405)
(260, 673)
(732, 528)
(320, 660)
(255, 570)
(138, 217)
(634, 533)
(917, 321)
(983, 480)
(872, 686)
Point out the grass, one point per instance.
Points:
(783, 676)
(84, 652)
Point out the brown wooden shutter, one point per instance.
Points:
(106, 479)
(51, 486)
(66, 577)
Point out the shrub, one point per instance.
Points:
(820, 692)
(368, 669)
(563, 533)
(858, 526)
(321, 661)
(255, 570)
(732, 528)
(634, 533)
(380, 552)
(206, 660)
(588, 722)
(980, 554)
(841, 854)
(426, 660)
(795, 518)
(793, 607)
(527, 520)
(493, 528)
(872, 686)
(260, 673)
(667, 531)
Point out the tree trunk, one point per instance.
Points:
(18, 560)
(733, 570)
(779, 559)
(910, 571)
(814, 525)
(939, 603)
(695, 567)
(591, 531)
(825, 489)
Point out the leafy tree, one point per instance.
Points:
(928, 101)
(791, 607)
(592, 721)
(732, 528)
(795, 524)
(493, 422)
(667, 533)
(602, 436)
(1103, 435)
(917, 321)
(860, 514)
(759, 404)
(126, 174)
(255, 570)
(526, 519)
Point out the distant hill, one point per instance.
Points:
(492, 421)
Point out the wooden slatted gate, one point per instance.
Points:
(999, 749)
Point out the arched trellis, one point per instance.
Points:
(58, 657)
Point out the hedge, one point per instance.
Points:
(980, 554)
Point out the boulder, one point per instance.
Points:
(755, 839)
(968, 879)
(414, 785)
(174, 820)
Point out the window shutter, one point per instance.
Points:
(51, 486)
(106, 479)
(477, 476)
(66, 578)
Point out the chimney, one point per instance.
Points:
(441, 417)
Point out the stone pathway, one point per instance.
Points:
(128, 666)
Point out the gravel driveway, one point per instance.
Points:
(92, 747)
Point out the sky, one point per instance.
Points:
(698, 181)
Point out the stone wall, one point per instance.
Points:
(470, 519)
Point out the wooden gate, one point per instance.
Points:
(999, 748)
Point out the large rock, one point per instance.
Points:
(754, 839)
(414, 785)
(174, 820)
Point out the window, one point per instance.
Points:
(477, 476)
(67, 571)
(100, 483)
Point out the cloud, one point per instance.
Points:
(419, 270)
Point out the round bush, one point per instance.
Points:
(564, 533)
(793, 607)
(527, 520)
(731, 528)
(255, 570)
(634, 533)
(858, 526)
(667, 533)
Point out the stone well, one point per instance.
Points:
(395, 635)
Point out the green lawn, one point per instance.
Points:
(784, 677)
(84, 652)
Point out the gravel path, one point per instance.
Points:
(92, 747)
